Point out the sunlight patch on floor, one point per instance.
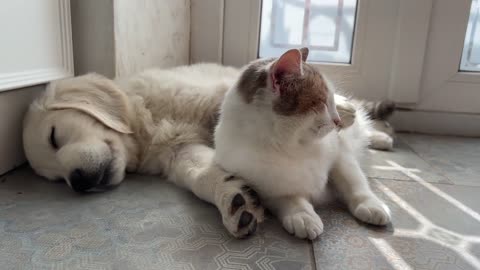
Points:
(408, 172)
(390, 254)
(428, 230)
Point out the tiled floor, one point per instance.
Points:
(432, 185)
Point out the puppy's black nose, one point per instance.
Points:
(82, 181)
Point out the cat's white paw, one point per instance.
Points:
(381, 141)
(373, 211)
(239, 206)
(347, 112)
(303, 225)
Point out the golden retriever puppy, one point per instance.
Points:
(89, 131)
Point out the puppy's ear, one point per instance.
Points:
(94, 95)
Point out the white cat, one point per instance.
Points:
(277, 129)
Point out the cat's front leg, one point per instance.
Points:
(297, 216)
(352, 185)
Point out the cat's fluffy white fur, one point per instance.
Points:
(291, 174)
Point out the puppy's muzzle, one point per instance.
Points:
(83, 181)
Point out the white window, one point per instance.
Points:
(471, 48)
(325, 26)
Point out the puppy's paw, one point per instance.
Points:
(373, 211)
(347, 113)
(239, 206)
(303, 225)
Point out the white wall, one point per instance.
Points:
(13, 105)
(121, 37)
(151, 33)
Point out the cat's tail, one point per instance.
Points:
(379, 110)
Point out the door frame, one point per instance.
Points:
(446, 88)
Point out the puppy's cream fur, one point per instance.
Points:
(157, 122)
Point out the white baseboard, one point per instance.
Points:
(438, 123)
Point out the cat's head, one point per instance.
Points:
(295, 91)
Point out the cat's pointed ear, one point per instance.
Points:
(290, 63)
(304, 52)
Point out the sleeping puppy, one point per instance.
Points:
(89, 131)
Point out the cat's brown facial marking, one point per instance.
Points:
(299, 87)
(301, 94)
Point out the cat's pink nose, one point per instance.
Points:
(338, 122)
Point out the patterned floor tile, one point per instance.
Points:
(456, 157)
(430, 230)
(146, 223)
(381, 164)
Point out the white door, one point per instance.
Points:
(408, 51)
(451, 79)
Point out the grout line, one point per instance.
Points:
(312, 256)
(407, 180)
(393, 258)
(402, 180)
(457, 185)
(413, 181)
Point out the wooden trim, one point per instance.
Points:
(66, 36)
(32, 77)
(207, 30)
(437, 123)
(14, 80)
(241, 31)
(221, 30)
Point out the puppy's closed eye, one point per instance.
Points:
(52, 140)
